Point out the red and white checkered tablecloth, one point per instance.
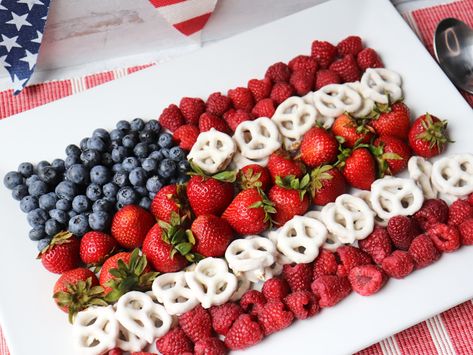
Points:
(448, 333)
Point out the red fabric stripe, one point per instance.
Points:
(416, 340)
(193, 25)
(138, 68)
(97, 79)
(459, 324)
(161, 3)
(372, 350)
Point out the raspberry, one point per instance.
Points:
(402, 231)
(368, 58)
(192, 108)
(281, 91)
(366, 280)
(325, 264)
(326, 77)
(278, 72)
(302, 81)
(347, 68)
(446, 238)
(134, 353)
(197, 323)
(423, 251)
(298, 276)
(252, 301)
(304, 63)
(303, 304)
(274, 317)
(217, 104)
(208, 121)
(349, 258)
(242, 98)
(470, 199)
(210, 346)
(175, 342)
(459, 212)
(466, 232)
(171, 118)
(223, 316)
(349, 45)
(244, 332)
(264, 108)
(186, 136)
(324, 53)
(330, 289)
(261, 89)
(234, 118)
(433, 211)
(398, 265)
(275, 288)
(116, 351)
(377, 244)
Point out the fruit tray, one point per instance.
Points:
(360, 320)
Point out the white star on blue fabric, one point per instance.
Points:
(30, 58)
(19, 21)
(9, 42)
(39, 37)
(30, 3)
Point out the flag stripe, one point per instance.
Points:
(193, 25)
(186, 10)
(161, 3)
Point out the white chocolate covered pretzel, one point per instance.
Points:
(367, 104)
(325, 121)
(392, 196)
(212, 151)
(251, 253)
(334, 99)
(453, 175)
(381, 85)
(211, 282)
(331, 242)
(127, 341)
(239, 161)
(365, 195)
(243, 285)
(420, 170)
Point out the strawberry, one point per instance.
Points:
(350, 257)
(303, 63)
(302, 81)
(347, 68)
(234, 118)
(392, 154)
(289, 197)
(466, 232)
(192, 108)
(171, 198)
(261, 89)
(326, 184)
(76, 290)
(298, 276)
(281, 164)
(274, 316)
(377, 245)
(423, 251)
(217, 104)
(130, 225)
(264, 108)
(210, 346)
(398, 265)
(446, 238)
(324, 53)
(324, 264)
(349, 45)
(278, 72)
(427, 136)
(275, 288)
(318, 147)
(330, 289)
(252, 302)
(212, 235)
(208, 121)
(244, 333)
(252, 176)
(249, 212)
(196, 323)
(175, 342)
(367, 280)
(95, 247)
(281, 91)
(402, 230)
(171, 118)
(224, 315)
(326, 77)
(394, 121)
(186, 136)
(368, 58)
(62, 253)
(358, 167)
(242, 98)
(303, 304)
(433, 211)
(350, 131)
(459, 212)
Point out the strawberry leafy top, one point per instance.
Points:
(291, 182)
(223, 176)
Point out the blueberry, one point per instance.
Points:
(70, 161)
(38, 188)
(150, 164)
(28, 203)
(78, 174)
(102, 134)
(48, 201)
(99, 174)
(59, 165)
(83, 143)
(110, 189)
(182, 179)
(167, 168)
(127, 196)
(63, 204)
(52, 227)
(66, 190)
(137, 124)
(112, 200)
(79, 225)
(97, 144)
(137, 177)
(107, 159)
(119, 153)
(80, 203)
(147, 136)
(156, 155)
(183, 166)
(141, 150)
(119, 205)
(116, 135)
(118, 168)
(153, 147)
(172, 181)
(37, 217)
(145, 202)
(120, 179)
(154, 184)
(99, 220)
(42, 163)
(12, 179)
(43, 243)
(19, 192)
(165, 152)
(48, 174)
(165, 140)
(59, 215)
(129, 141)
(90, 157)
(73, 151)
(102, 205)
(71, 214)
(141, 190)
(153, 125)
(32, 179)
(93, 192)
(130, 163)
(26, 169)
(123, 125)
(152, 195)
(114, 144)
(177, 154)
(37, 233)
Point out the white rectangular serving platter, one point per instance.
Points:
(30, 319)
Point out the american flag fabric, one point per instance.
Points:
(21, 31)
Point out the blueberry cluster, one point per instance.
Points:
(107, 171)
